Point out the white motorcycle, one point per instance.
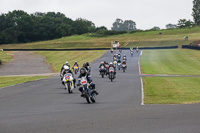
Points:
(68, 82)
(89, 94)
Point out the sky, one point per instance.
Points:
(145, 13)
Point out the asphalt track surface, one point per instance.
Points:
(44, 106)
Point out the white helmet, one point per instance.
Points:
(66, 67)
(66, 62)
(111, 63)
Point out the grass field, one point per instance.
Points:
(8, 81)
(170, 37)
(57, 59)
(5, 56)
(171, 90)
(171, 62)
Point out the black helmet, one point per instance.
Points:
(83, 71)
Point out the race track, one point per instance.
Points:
(44, 106)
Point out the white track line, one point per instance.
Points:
(142, 88)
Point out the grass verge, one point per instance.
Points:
(8, 81)
(5, 56)
(57, 59)
(171, 90)
(171, 62)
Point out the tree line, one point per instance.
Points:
(20, 27)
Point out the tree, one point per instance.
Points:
(155, 28)
(19, 27)
(127, 25)
(182, 23)
(171, 26)
(117, 25)
(101, 28)
(196, 12)
(82, 26)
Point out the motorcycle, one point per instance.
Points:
(137, 50)
(68, 82)
(107, 70)
(75, 69)
(131, 53)
(124, 58)
(89, 94)
(115, 63)
(102, 71)
(111, 73)
(118, 57)
(123, 67)
(118, 65)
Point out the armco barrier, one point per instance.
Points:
(190, 47)
(56, 49)
(83, 49)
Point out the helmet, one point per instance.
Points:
(83, 71)
(111, 63)
(84, 65)
(66, 62)
(102, 62)
(75, 61)
(66, 67)
(87, 63)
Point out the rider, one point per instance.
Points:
(75, 64)
(111, 50)
(67, 70)
(137, 49)
(88, 67)
(131, 50)
(118, 61)
(114, 57)
(112, 65)
(120, 50)
(83, 73)
(102, 64)
(66, 64)
(124, 63)
(124, 57)
(119, 56)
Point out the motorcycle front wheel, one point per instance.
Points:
(87, 96)
(69, 87)
(93, 97)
